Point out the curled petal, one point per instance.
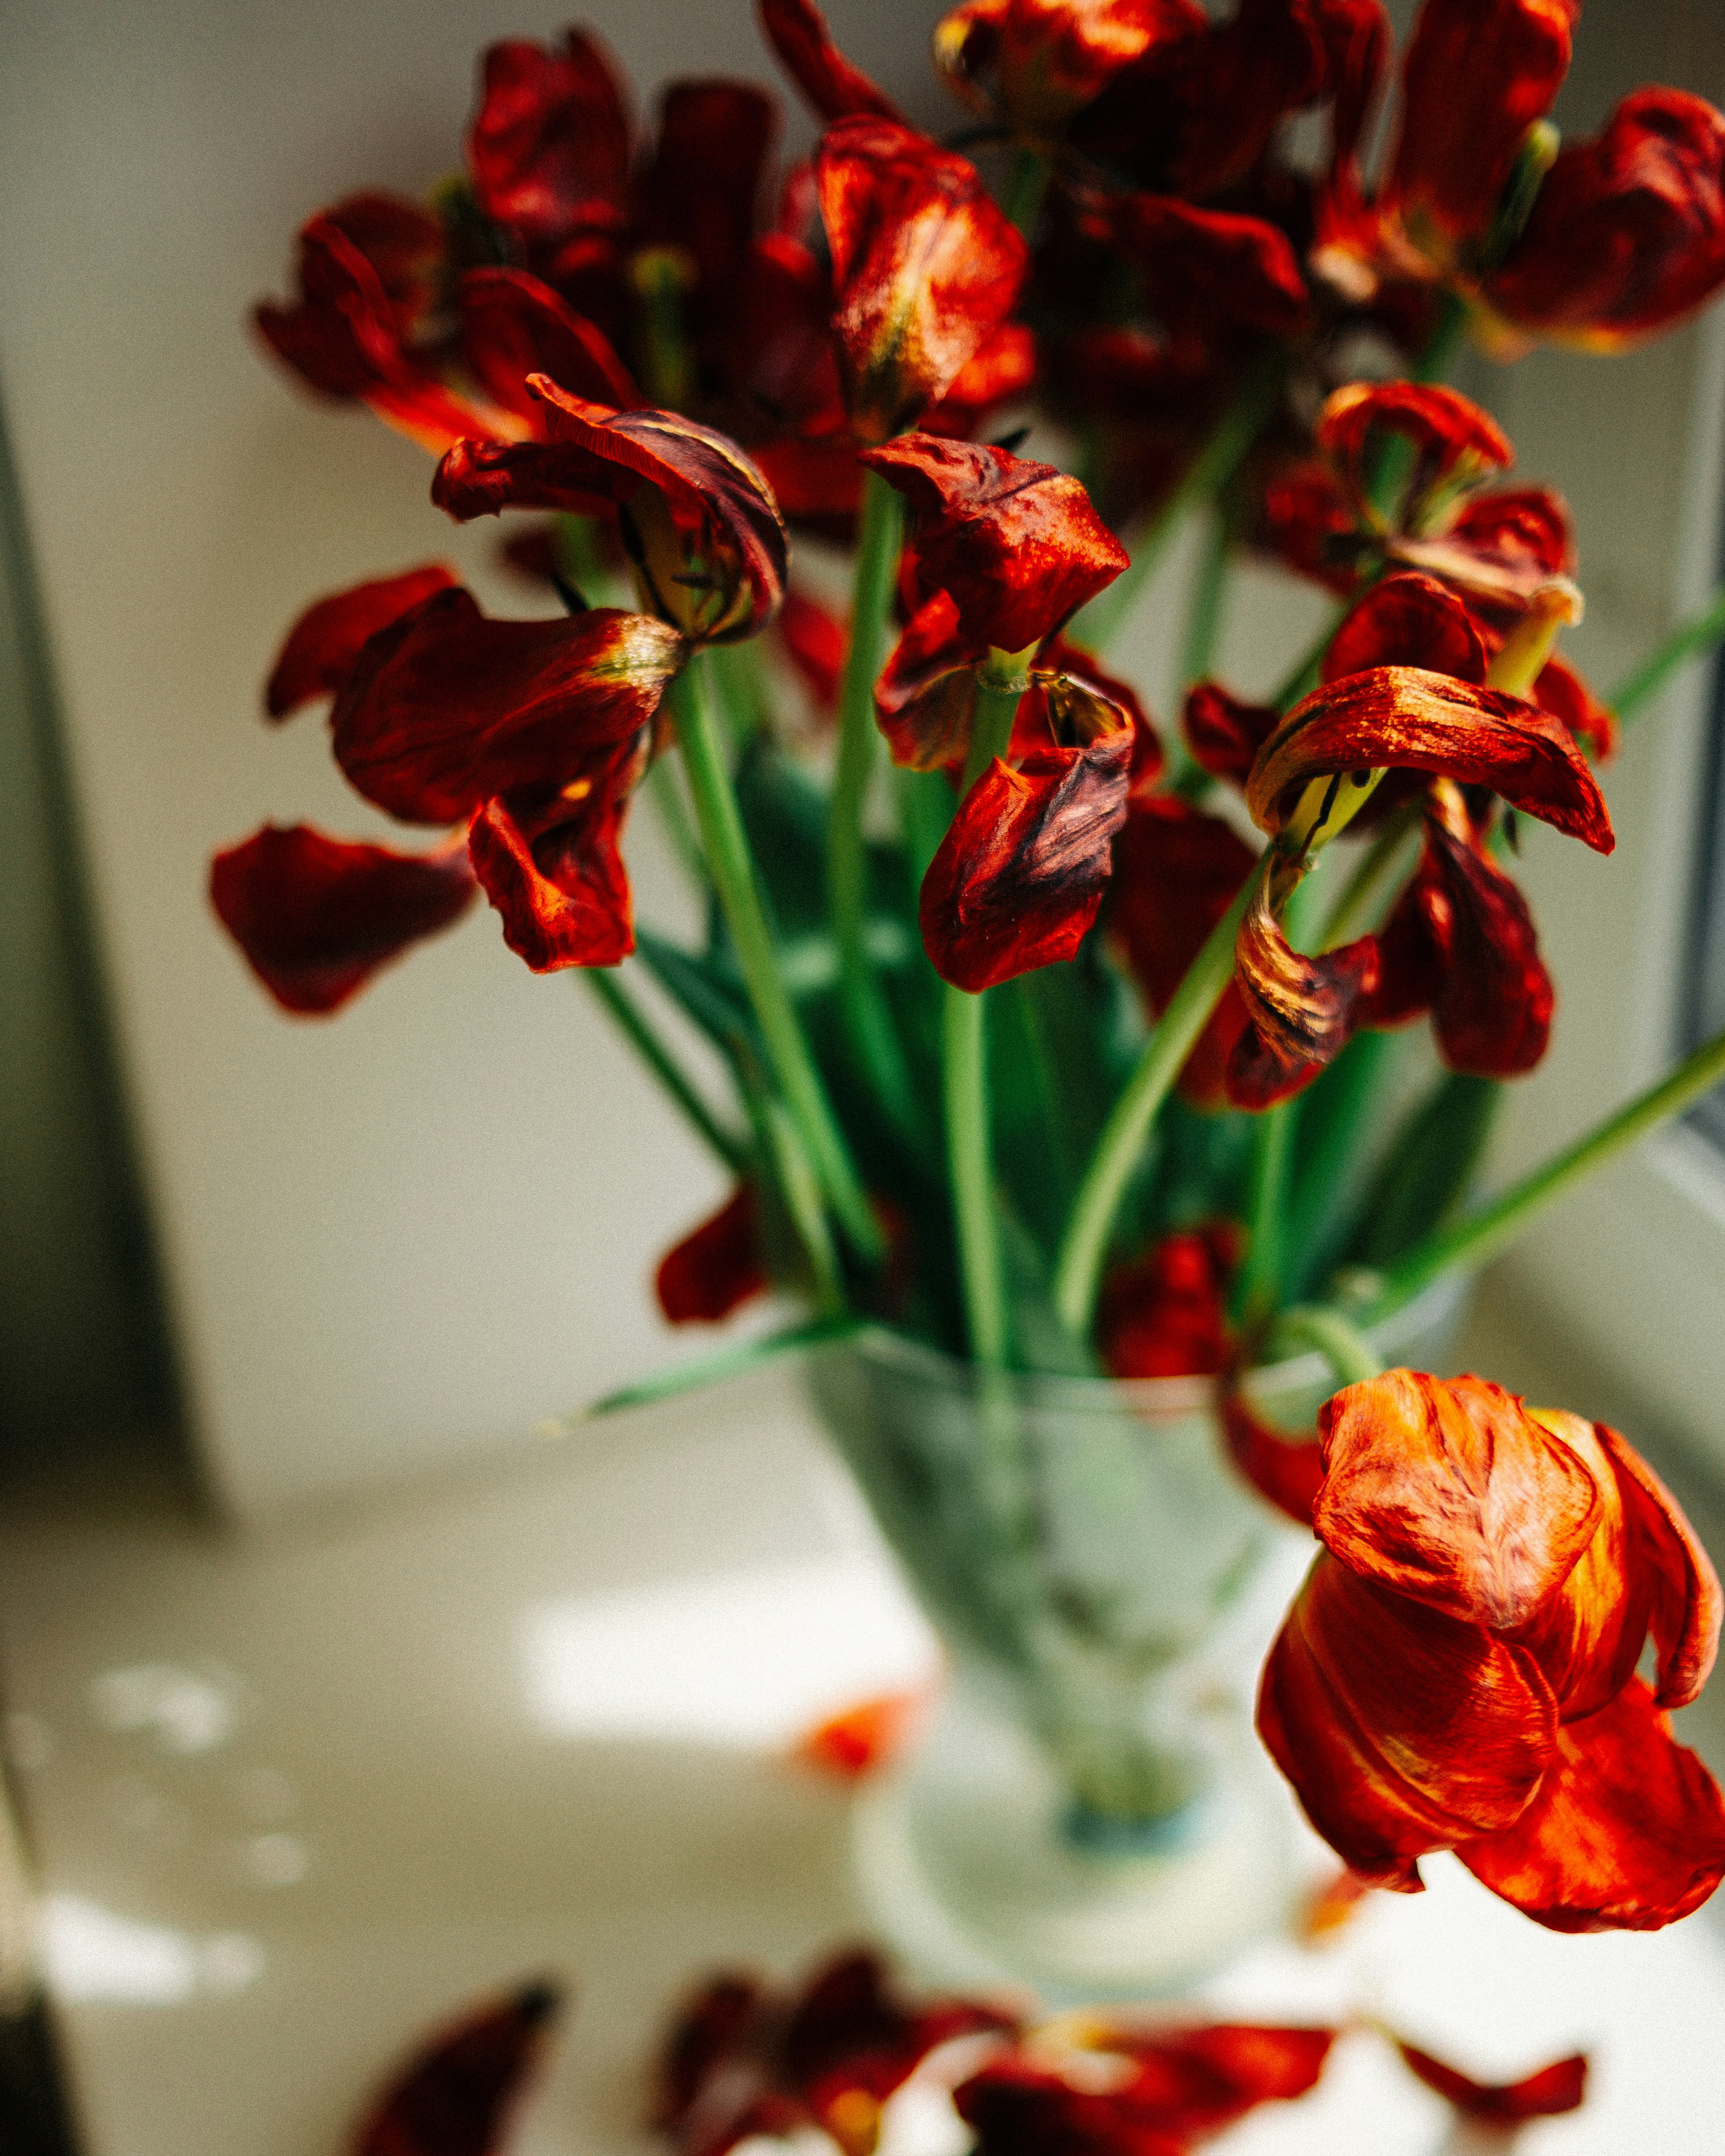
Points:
(512, 325)
(445, 709)
(1627, 234)
(317, 917)
(1166, 1315)
(1407, 719)
(1686, 1597)
(1408, 620)
(1454, 1495)
(1017, 545)
(715, 561)
(1402, 1731)
(999, 373)
(1047, 57)
(716, 1268)
(1020, 873)
(1081, 700)
(926, 268)
(324, 645)
(1288, 1470)
(1591, 725)
(458, 2095)
(548, 857)
(548, 150)
(1627, 1832)
(1224, 731)
(1547, 2093)
(1242, 269)
(1525, 529)
(798, 33)
(925, 700)
(1301, 1012)
(1477, 75)
(1492, 1011)
(1456, 442)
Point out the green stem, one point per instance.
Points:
(711, 1369)
(1258, 1288)
(1361, 903)
(1434, 361)
(1699, 634)
(673, 814)
(733, 874)
(1096, 625)
(1026, 184)
(1203, 615)
(1480, 1234)
(964, 1081)
(1079, 1268)
(1303, 678)
(635, 1028)
(1341, 1344)
(741, 692)
(1324, 1186)
(866, 1016)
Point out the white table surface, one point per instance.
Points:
(296, 1795)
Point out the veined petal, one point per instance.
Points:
(1685, 1595)
(445, 709)
(1408, 620)
(1402, 1731)
(926, 268)
(1016, 544)
(1457, 443)
(925, 701)
(1627, 1832)
(513, 325)
(1477, 75)
(548, 857)
(1453, 1494)
(716, 562)
(1020, 873)
(1547, 2093)
(1407, 719)
(716, 1268)
(1491, 1011)
(798, 31)
(1301, 1012)
(324, 645)
(549, 146)
(1627, 234)
(317, 917)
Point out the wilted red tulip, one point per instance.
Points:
(323, 646)
(458, 2096)
(1301, 1011)
(317, 917)
(1458, 1672)
(1037, 62)
(798, 33)
(926, 269)
(717, 1267)
(1166, 1314)
(1091, 2086)
(1547, 2092)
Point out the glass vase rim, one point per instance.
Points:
(1158, 1398)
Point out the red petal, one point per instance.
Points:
(1240, 269)
(548, 860)
(317, 916)
(405, 245)
(817, 483)
(1457, 443)
(1525, 529)
(864, 1738)
(1686, 1602)
(926, 268)
(1408, 620)
(1628, 231)
(1478, 73)
(1166, 1314)
(1000, 370)
(798, 33)
(1198, 2081)
(716, 1268)
(324, 645)
(457, 2097)
(816, 641)
(1492, 1011)
(1627, 1832)
(1021, 2107)
(702, 190)
(1301, 1012)
(445, 709)
(781, 348)
(1547, 2093)
(1049, 57)
(1288, 1470)
(925, 700)
(513, 326)
(1402, 1731)
(1453, 1494)
(720, 507)
(1224, 731)
(1409, 719)
(1591, 725)
(1016, 544)
(1020, 875)
(549, 147)
(1074, 676)
(1411, 960)
(1310, 522)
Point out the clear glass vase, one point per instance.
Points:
(1090, 1813)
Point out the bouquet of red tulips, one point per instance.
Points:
(1057, 1040)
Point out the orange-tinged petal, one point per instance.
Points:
(716, 1267)
(1627, 1832)
(1408, 620)
(925, 701)
(798, 33)
(323, 646)
(457, 2096)
(926, 268)
(1546, 2093)
(1402, 1731)
(1047, 57)
(862, 1738)
(1685, 1595)
(1301, 1012)
(1406, 718)
(1453, 1494)
(1019, 876)
(1455, 442)
(549, 859)
(513, 325)
(1288, 1472)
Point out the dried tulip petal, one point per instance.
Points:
(1218, 263)
(1685, 1599)
(1591, 725)
(1408, 620)
(1166, 1314)
(323, 646)
(1289, 1471)
(702, 191)
(1048, 58)
(716, 1267)
(513, 325)
(457, 2097)
(925, 700)
(548, 859)
(798, 33)
(1301, 1012)
(1492, 1011)
(1224, 731)
(1546, 2093)
(1456, 442)
(550, 144)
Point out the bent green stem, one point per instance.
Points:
(1210, 471)
(1341, 1343)
(866, 1016)
(1079, 1267)
(733, 874)
(964, 1083)
(1688, 641)
(1479, 1235)
(631, 1022)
